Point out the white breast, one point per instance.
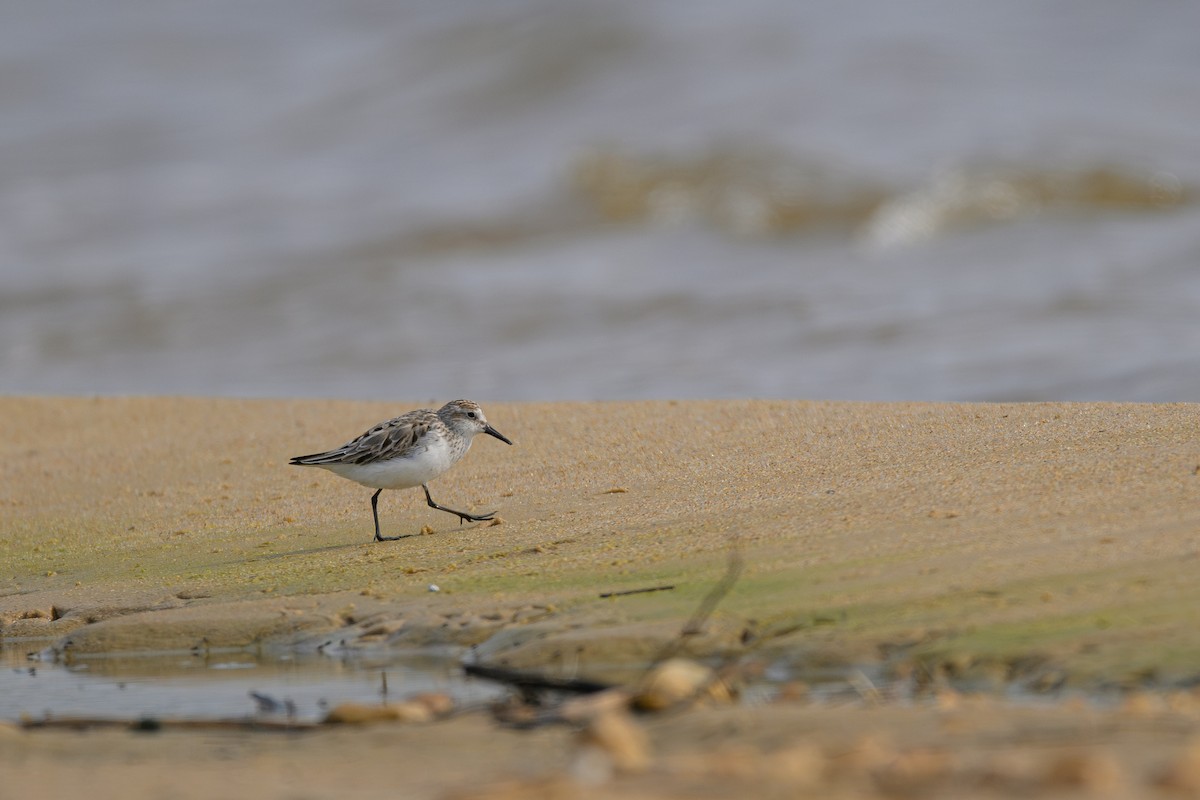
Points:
(422, 465)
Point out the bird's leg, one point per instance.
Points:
(462, 515)
(375, 512)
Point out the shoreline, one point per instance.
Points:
(971, 534)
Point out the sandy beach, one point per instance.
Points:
(1050, 546)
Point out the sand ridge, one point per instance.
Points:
(997, 528)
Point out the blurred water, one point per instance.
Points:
(595, 199)
(219, 685)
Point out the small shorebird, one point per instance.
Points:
(408, 451)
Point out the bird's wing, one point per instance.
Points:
(385, 441)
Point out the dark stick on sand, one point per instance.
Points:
(637, 591)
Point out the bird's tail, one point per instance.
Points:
(310, 460)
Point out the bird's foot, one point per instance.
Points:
(465, 517)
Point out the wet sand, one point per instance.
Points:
(1045, 545)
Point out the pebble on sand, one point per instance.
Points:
(1088, 770)
(678, 680)
(362, 714)
(619, 738)
(1182, 774)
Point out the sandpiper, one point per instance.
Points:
(409, 450)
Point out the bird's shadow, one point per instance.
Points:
(250, 559)
(330, 548)
(307, 551)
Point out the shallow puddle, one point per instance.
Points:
(302, 687)
(222, 685)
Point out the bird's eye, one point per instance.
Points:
(471, 414)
